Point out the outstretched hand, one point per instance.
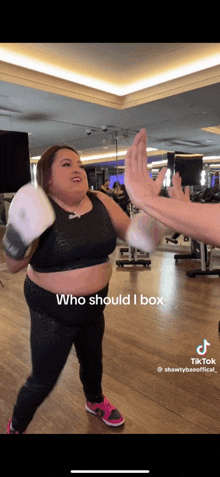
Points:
(138, 183)
(176, 191)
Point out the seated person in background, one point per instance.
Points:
(123, 199)
(105, 188)
(118, 193)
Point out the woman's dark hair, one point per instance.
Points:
(116, 184)
(44, 167)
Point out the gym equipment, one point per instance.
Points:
(132, 251)
(199, 250)
(206, 196)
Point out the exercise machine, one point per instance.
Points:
(134, 254)
(199, 250)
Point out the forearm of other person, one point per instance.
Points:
(198, 221)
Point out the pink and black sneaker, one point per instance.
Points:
(10, 429)
(108, 413)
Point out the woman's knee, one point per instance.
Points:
(40, 387)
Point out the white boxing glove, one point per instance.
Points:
(145, 233)
(29, 215)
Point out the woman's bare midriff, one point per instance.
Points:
(80, 282)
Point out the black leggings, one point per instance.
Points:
(54, 329)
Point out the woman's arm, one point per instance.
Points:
(140, 231)
(119, 218)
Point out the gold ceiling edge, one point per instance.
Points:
(186, 83)
(51, 84)
(212, 129)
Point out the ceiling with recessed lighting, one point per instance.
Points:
(56, 92)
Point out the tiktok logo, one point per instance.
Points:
(203, 351)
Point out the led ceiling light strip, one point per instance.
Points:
(101, 156)
(25, 61)
(8, 54)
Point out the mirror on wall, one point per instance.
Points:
(103, 152)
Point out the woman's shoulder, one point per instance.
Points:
(92, 193)
(107, 201)
(101, 195)
(96, 194)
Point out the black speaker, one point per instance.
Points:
(14, 161)
(190, 167)
(170, 159)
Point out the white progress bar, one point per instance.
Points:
(110, 471)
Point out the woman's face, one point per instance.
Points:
(68, 177)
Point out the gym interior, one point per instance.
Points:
(161, 352)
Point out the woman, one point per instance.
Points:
(118, 192)
(69, 258)
(105, 188)
(120, 196)
(198, 221)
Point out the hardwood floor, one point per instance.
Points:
(138, 339)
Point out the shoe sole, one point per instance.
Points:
(106, 422)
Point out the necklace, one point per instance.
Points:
(74, 214)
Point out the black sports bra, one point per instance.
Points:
(75, 243)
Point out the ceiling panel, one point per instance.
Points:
(51, 118)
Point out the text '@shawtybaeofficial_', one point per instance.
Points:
(115, 300)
